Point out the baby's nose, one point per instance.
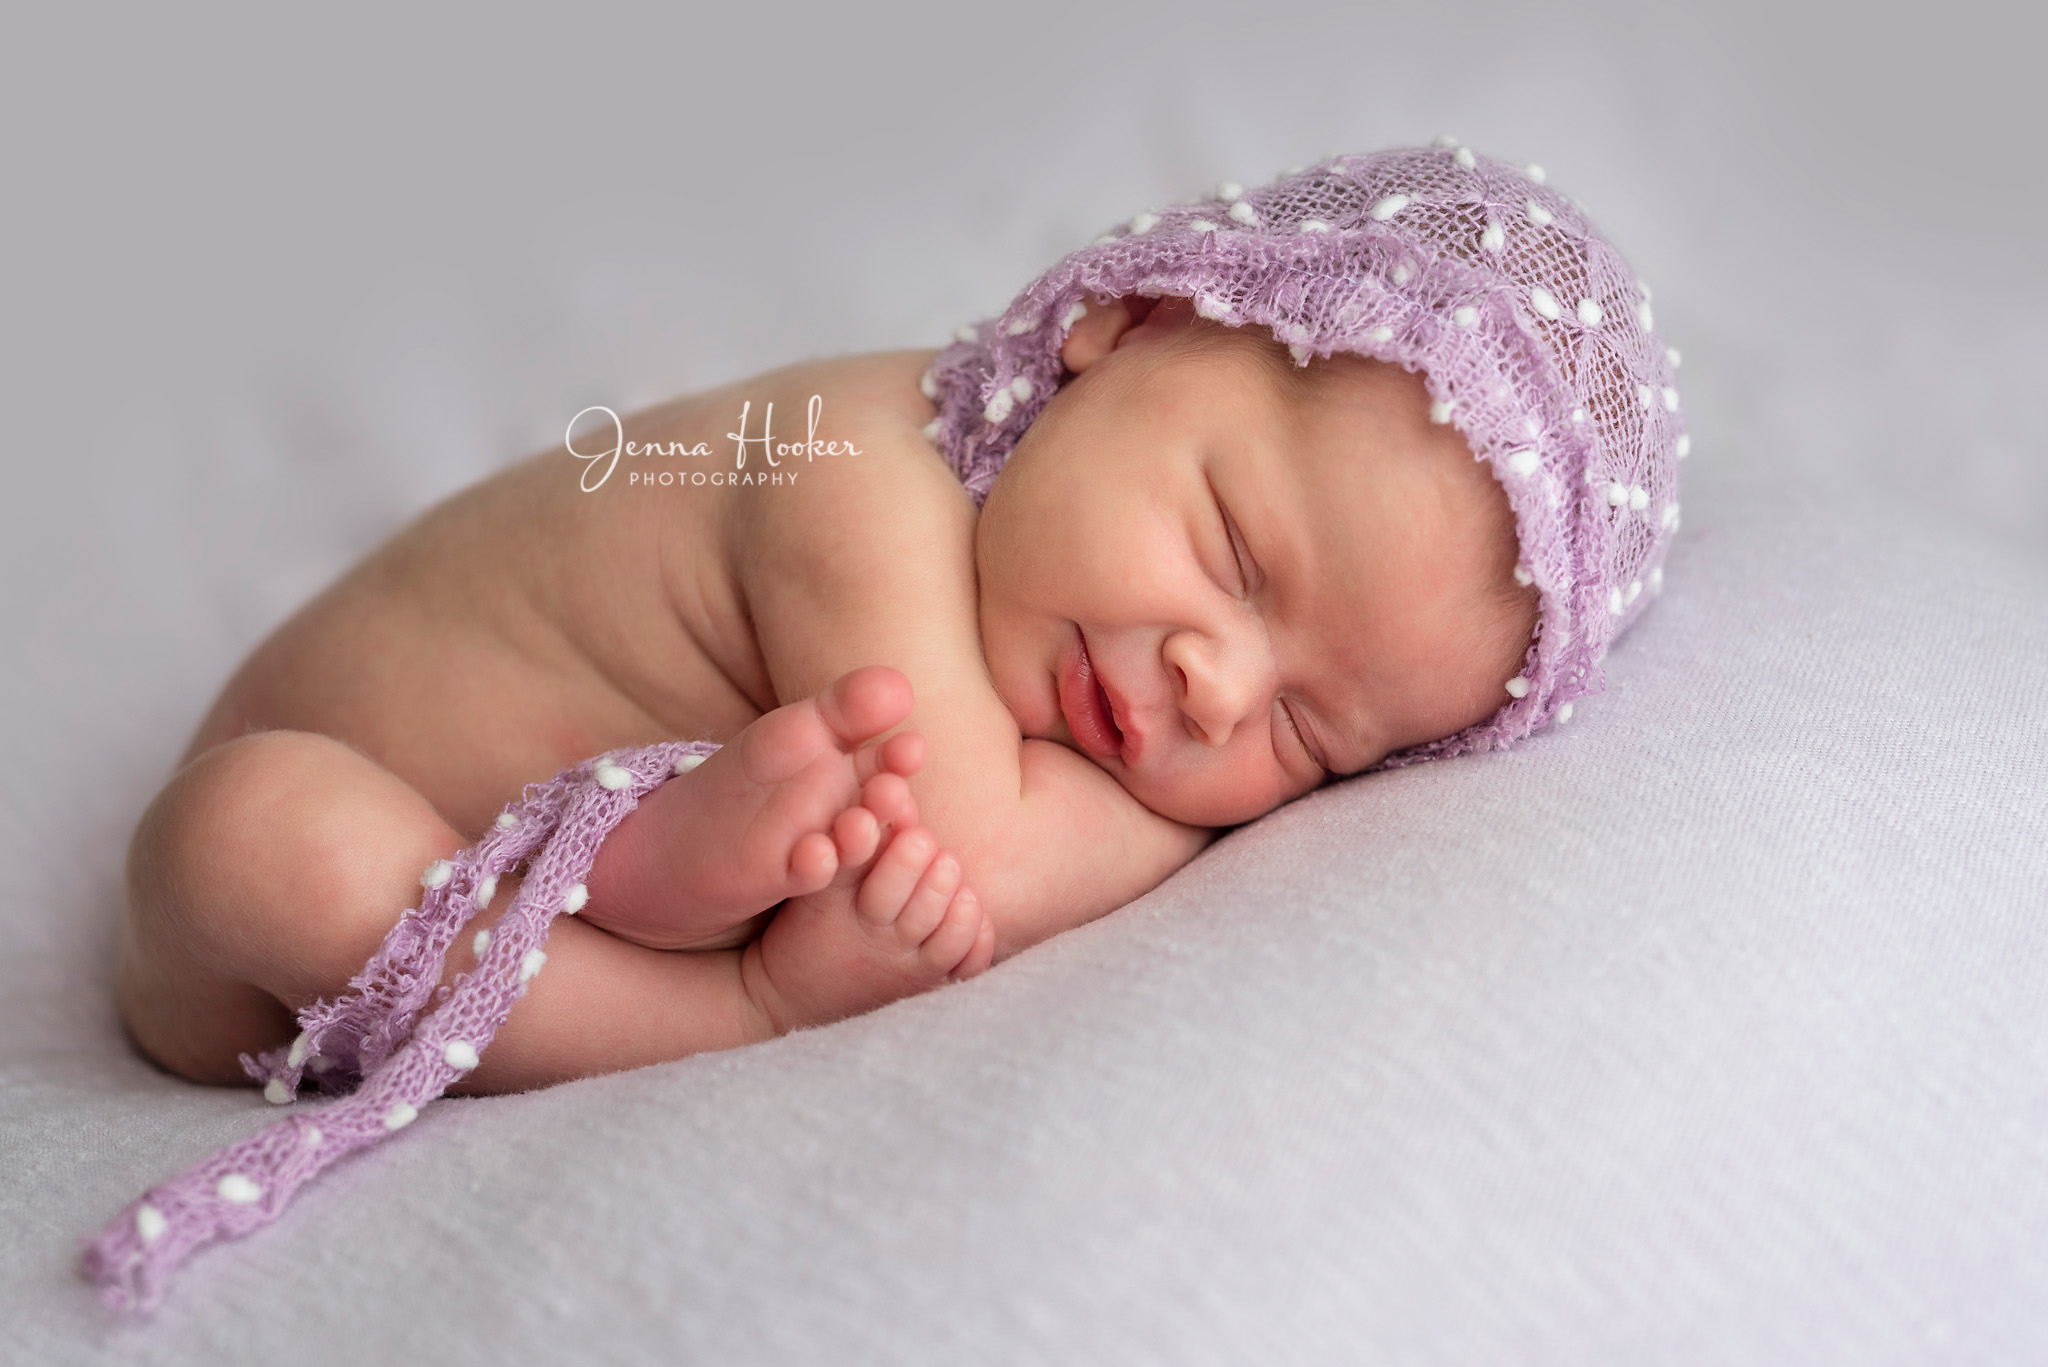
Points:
(1216, 683)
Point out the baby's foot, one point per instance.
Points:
(910, 925)
(798, 796)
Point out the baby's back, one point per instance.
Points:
(525, 623)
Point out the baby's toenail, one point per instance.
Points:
(238, 1190)
(688, 762)
(400, 1115)
(460, 1053)
(610, 775)
(578, 897)
(150, 1223)
(437, 875)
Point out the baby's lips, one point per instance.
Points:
(1085, 706)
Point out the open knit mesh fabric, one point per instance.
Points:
(372, 1042)
(1533, 336)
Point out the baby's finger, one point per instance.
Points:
(896, 871)
(888, 797)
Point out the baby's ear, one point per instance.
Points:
(1096, 332)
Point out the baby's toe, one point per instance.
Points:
(862, 704)
(813, 860)
(981, 956)
(927, 903)
(856, 835)
(953, 939)
(888, 797)
(895, 873)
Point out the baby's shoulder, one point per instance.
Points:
(844, 475)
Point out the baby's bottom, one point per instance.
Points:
(271, 867)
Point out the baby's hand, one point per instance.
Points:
(910, 925)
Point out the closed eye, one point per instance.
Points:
(1247, 568)
(1301, 737)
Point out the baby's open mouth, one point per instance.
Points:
(1085, 705)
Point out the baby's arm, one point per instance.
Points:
(877, 563)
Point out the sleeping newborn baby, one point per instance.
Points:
(1361, 468)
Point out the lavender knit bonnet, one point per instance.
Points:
(1535, 339)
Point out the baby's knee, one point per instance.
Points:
(278, 851)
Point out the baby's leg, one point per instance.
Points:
(271, 867)
(702, 855)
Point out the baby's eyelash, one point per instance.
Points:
(1239, 552)
(1301, 736)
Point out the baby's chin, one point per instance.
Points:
(1208, 803)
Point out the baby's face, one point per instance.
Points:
(1226, 581)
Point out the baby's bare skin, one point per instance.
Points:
(526, 624)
